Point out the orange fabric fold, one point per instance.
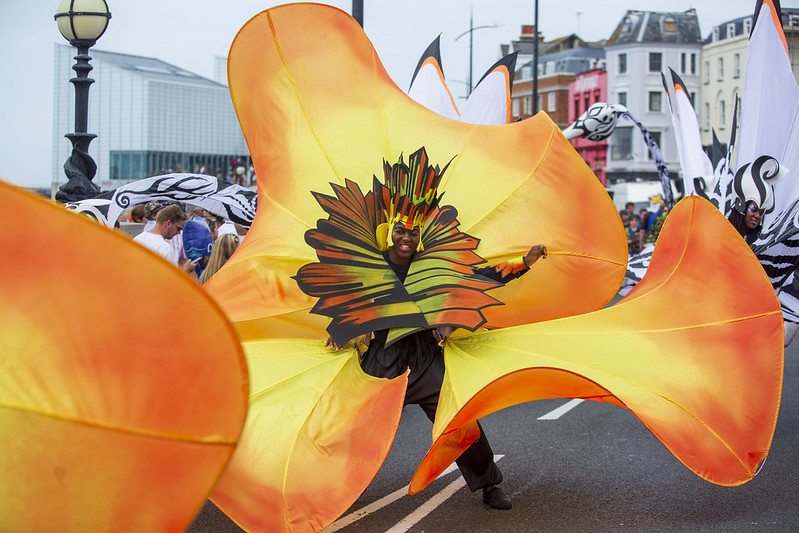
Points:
(123, 385)
(695, 351)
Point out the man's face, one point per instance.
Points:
(173, 228)
(405, 243)
(753, 216)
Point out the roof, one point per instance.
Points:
(153, 69)
(657, 27)
(568, 42)
(569, 61)
(739, 28)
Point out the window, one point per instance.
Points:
(669, 25)
(736, 72)
(627, 26)
(655, 61)
(748, 25)
(721, 69)
(693, 63)
(682, 62)
(693, 98)
(515, 110)
(730, 30)
(655, 102)
(622, 63)
(707, 116)
(623, 99)
(577, 112)
(722, 114)
(527, 102)
(551, 101)
(655, 137)
(716, 34)
(707, 72)
(540, 103)
(622, 143)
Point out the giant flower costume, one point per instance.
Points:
(321, 116)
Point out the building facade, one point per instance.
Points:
(723, 66)
(559, 62)
(150, 118)
(643, 44)
(585, 90)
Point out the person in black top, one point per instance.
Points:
(422, 352)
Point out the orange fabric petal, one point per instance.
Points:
(317, 432)
(323, 109)
(695, 351)
(122, 386)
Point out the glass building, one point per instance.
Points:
(150, 118)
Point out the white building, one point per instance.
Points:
(723, 68)
(150, 118)
(643, 45)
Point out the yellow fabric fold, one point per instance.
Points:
(317, 431)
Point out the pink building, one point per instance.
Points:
(584, 90)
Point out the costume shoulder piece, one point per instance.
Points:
(356, 286)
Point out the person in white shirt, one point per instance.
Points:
(168, 224)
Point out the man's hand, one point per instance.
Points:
(442, 333)
(187, 266)
(539, 250)
(331, 343)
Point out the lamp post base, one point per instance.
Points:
(80, 169)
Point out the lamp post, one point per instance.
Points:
(471, 31)
(534, 106)
(81, 22)
(357, 11)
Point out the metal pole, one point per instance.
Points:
(534, 107)
(471, 48)
(357, 11)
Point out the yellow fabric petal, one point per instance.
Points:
(316, 107)
(123, 389)
(695, 351)
(317, 432)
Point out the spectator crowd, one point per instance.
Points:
(193, 239)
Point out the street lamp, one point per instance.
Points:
(471, 31)
(81, 22)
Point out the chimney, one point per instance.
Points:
(528, 32)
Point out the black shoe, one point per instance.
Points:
(497, 499)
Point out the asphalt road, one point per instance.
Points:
(596, 468)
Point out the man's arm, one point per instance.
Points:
(510, 270)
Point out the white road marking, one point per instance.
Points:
(428, 507)
(562, 410)
(407, 522)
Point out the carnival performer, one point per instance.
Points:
(749, 223)
(421, 351)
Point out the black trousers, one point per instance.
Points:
(477, 462)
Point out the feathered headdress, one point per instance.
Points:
(409, 194)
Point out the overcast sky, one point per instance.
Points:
(189, 33)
